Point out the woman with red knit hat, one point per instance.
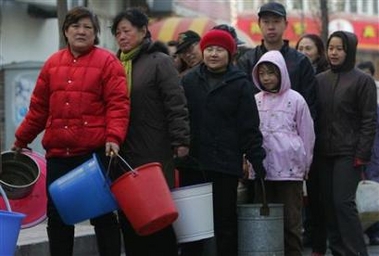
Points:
(224, 124)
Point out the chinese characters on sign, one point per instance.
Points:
(367, 31)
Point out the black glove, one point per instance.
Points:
(187, 161)
(260, 171)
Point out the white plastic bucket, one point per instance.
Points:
(195, 207)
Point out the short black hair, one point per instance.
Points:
(77, 13)
(136, 16)
(172, 43)
(367, 65)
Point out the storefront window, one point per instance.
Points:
(353, 6)
(298, 4)
(365, 6)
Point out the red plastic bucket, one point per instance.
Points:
(145, 198)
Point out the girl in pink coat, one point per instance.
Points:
(288, 138)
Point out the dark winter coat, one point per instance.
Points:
(224, 121)
(159, 115)
(346, 108)
(299, 67)
(372, 170)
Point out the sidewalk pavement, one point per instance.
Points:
(33, 242)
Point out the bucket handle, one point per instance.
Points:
(5, 199)
(113, 155)
(21, 150)
(264, 210)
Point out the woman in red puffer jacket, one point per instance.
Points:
(81, 102)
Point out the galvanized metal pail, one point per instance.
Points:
(20, 172)
(260, 235)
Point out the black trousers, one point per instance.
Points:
(315, 222)
(224, 211)
(161, 243)
(61, 235)
(338, 183)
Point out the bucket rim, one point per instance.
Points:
(29, 157)
(11, 213)
(146, 165)
(19, 186)
(135, 171)
(205, 184)
(259, 205)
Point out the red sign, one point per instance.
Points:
(168, 29)
(367, 31)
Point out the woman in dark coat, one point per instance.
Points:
(224, 124)
(158, 127)
(345, 131)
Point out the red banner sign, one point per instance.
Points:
(367, 31)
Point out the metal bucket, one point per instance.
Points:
(20, 172)
(34, 204)
(260, 235)
(260, 228)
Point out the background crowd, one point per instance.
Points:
(203, 105)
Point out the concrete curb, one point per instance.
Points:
(84, 246)
(33, 241)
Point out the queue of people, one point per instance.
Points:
(203, 105)
(314, 227)
(371, 172)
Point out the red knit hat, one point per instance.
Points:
(219, 38)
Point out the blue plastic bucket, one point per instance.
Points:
(83, 193)
(10, 225)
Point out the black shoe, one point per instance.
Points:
(374, 240)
